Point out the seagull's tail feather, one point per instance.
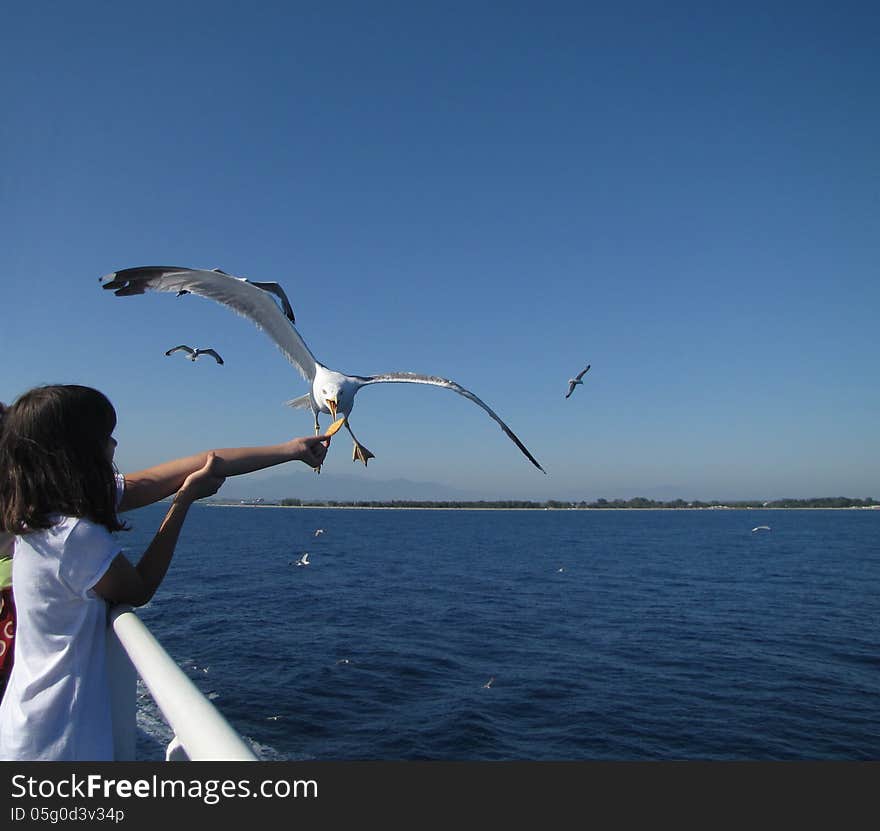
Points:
(302, 403)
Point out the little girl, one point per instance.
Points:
(60, 494)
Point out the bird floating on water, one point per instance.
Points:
(193, 354)
(330, 391)
(573, 382)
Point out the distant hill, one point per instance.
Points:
(327, 486)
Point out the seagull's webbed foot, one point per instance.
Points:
(361, 454)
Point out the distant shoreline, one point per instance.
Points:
(542, 508)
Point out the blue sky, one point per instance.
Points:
(687, 198)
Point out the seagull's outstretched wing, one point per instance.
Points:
(182, 348)
(415, 378)
(571, 386)
(213, 354)
(276, 289)
(238, 293)
(583, 372)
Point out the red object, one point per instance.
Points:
(7, 634)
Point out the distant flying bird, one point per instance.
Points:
(761, 528)
(319, 532)
(489, 683)
(192, 354)
(573, 382)
(331, 391)
(304, 560)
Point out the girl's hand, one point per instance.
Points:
(203, 482)
(310, 449)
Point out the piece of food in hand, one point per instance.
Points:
(334, 426)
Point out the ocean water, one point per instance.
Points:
(607, 635)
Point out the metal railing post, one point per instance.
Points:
(203, 732)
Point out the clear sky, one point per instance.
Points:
(685, 196)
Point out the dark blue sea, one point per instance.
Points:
(526, 635)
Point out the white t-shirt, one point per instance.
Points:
(57, 704)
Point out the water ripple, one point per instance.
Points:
(667, 635)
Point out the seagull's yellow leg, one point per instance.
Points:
(359, 453)
(317, 433)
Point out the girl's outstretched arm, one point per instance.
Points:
(148, 486)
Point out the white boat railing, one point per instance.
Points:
(201, 733)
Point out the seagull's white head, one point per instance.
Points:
(333, 393)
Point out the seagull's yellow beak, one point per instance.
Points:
(331, 405)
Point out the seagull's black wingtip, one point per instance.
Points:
(537, 464)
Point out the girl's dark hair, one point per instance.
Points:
(53, 459)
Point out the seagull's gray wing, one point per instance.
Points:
(182, 348)
(213, 354)
(415, 378)
(571, 386)
(583, 372)
(276, 289)
(238, 293)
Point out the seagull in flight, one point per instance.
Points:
(330, 391)
(192, 354)
(304, 560)
(573, 382)
(319, 532)
(272, 288)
